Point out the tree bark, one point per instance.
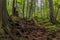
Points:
(0, 13)
(14, 12)
(52, 18)
(5, 18)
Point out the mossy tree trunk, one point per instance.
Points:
(52, 18)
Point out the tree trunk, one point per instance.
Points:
(0, 13)
(5, 18)
(31, 8)
(52, 18)
(14, 12)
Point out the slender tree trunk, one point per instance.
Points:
(23, 8)
(0, 13)
(31, 8)
(52, 18)
(14, 12)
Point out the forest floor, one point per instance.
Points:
(24, 29)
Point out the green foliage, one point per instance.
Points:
(19, 1)
(51, 28)
(42, 13)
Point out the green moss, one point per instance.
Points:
(51, 28)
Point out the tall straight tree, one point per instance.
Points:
(52, 18)
(31, 8)
(5, 18)
(4, 13)
(23, 7)
(14, 12)
(0, 13)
